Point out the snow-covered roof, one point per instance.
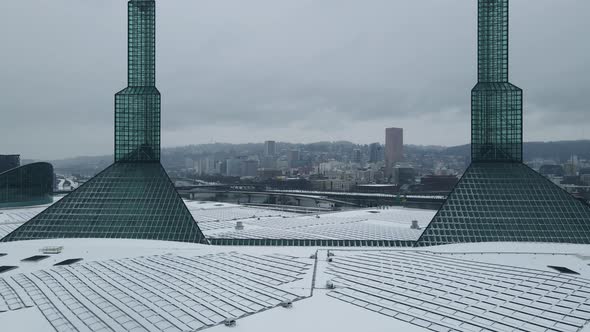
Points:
(11, 218)
(218, 220)
(142, 285)
(145, 285)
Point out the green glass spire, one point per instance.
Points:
(137, 107)
(499, 198)
(141, 43)
(133, 198)
(492, 41)
(496, 105)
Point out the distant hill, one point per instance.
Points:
(175, 157)
(82, 165)
(559, 151)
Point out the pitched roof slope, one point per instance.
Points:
(501, 201)
(126, 200)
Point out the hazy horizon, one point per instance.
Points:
(278, 142)
(283, 70)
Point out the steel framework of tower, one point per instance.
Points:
(137, 107)
(133, 198)
(499, 198)
(496, 105)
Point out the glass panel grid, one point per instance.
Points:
(137, 124)
(141, 43)
(496, 122)
(508, 202)
(496, 105)
(137, 108)
(127, 200)
(492, 41)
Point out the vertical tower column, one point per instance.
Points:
(141, 43)
(137, 107)
(496, 105)
(492, 41)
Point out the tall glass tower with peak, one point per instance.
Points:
(133, 198)
(500, 199)
(137, 107)
(496, 105)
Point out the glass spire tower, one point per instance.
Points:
(498, 197)
(496, 105)
(137, 107)
(133, 198)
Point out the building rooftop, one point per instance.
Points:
(145, 285)
(11, 218)
(219, 221)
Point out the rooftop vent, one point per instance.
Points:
(231, 322)
(68, 261)
(562, 269)
(6, 268)
(287, 304)
(52, 250)
(415, 225)
(35, 258)
(373, 211)
(239, 225)
(330, 285)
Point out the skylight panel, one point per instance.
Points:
(562, 269)
(35, 258)
(68, 261)
(6, 268)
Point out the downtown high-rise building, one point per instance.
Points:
(270, 148)
(357, 155)
(394, 148)
(133, 198)
(293, 157)
(499, 199)
(375, 152)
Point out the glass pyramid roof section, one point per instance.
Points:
(501, 201)
(127, 200)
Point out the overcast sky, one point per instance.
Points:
(288, 70)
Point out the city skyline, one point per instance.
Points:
(337, 110)
(331, 236)
(110, 155)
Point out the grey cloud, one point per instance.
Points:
(287, 70)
